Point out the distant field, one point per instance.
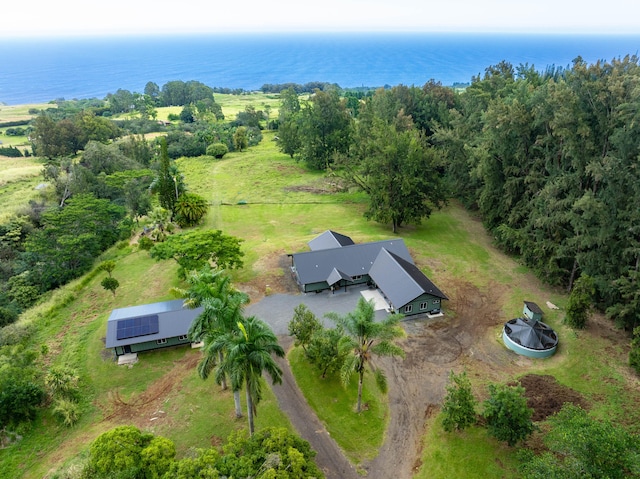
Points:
(18, 179)
(21, 112)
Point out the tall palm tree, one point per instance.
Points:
(222, 308)
(363, 338)
(248, 355)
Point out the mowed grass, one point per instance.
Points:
(358, 435)
(470, 454)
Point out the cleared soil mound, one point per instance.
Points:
(546, 396)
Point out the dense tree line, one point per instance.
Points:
(309, 87)
(550, 160)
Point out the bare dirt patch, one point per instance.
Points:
(141, 408)
(546, 396)
(273, 277)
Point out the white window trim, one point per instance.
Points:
(424, 305)
(408, 308)
(161, 341)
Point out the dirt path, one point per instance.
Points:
(417, 384)
(329, 456)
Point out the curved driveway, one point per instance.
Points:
(277, 310)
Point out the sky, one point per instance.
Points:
(38, 18)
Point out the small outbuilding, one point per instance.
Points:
(149, 326)
(532, 311)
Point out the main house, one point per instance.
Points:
(149, 326)
(335, 262)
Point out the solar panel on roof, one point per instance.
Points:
(134, 327)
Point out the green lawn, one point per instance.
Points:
(359, 435)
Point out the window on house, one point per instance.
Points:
(423, 305)
(184, 337)
(408, 308)
(161, 341)
(357, 277)
(436, 301)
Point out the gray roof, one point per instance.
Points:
(400, 280)
(336, 275)
(328, 240)
(533, 307)
(352, 260)
(173, 320)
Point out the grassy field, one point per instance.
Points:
(18, 180)
(270, 201)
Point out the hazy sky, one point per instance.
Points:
(126, 17)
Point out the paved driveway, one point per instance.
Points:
(277, 309)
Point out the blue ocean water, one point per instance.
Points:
(40, 70)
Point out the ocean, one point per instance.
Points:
(40, 70)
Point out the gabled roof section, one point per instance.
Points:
(173, 320)
(336, 275)
(401, 280)
(328, 240)
(352, 260)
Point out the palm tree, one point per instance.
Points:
(222, 307)
(248, 354)
(363, 338)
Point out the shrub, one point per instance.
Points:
(110, 284)
(580, 301)
(580, 446)
(67, 411)
(15, 131)
(15, 333)
(62, 382)
(145, 243)
(217, 150)
(8, 315)
(459, 407)
(20, 395)
(125, 452)
(10, 151)
(190, 209)
(507, 415)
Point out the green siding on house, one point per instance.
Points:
(428, 302)
(152, 345)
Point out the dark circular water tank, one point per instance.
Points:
(530, 337)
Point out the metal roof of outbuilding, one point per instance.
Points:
(401, 280)
(533, 307)
(352, 260)
(328, 240)
(173, 320)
